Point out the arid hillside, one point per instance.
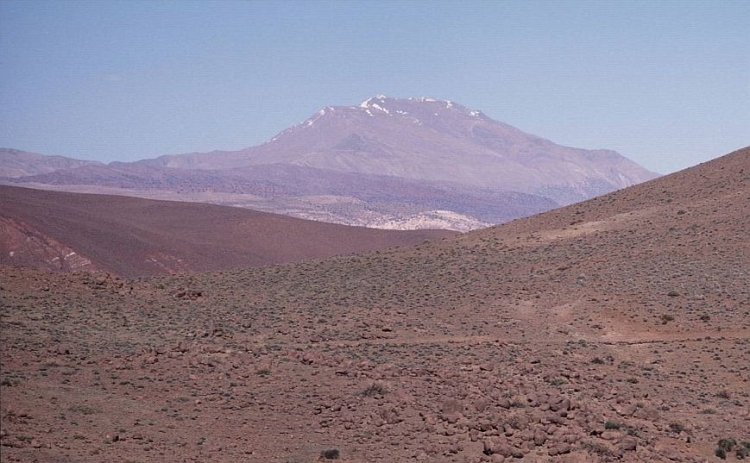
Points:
(134, 237)
(614, 330)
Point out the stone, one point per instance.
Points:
(559, 449)
(494, 446)
(628, 444)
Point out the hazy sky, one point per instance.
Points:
(665, 83)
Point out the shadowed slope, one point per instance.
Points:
(135, 237)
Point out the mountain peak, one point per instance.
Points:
(429, 154)
(377, 103)
(404, 106)
(425, 138)
(377, 99)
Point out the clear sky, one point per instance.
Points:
(665, 83)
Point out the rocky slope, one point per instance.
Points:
(617, 329)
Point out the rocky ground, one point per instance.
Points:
(613, 330)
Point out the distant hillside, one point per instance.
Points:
(136, 237)
(18, 164)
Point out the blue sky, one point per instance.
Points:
(665, 83)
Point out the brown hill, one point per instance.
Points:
(613, 330)
(136, 237)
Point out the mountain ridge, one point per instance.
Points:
(448, 155)
(353, 128)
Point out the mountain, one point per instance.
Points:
(136, 237)
(387, 162)
(432, 140)
(615, 329)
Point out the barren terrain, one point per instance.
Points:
(617, 329)
(133, 237)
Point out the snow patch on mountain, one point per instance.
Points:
(423, 99)
(311, 121)
(380, 108)
(373, 101)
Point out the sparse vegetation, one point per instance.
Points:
(676, 427)
(597, 448)
(743, 450)
(374, 389)
(612, 425)
(726, 445)
(332, 454)
(84, 409)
